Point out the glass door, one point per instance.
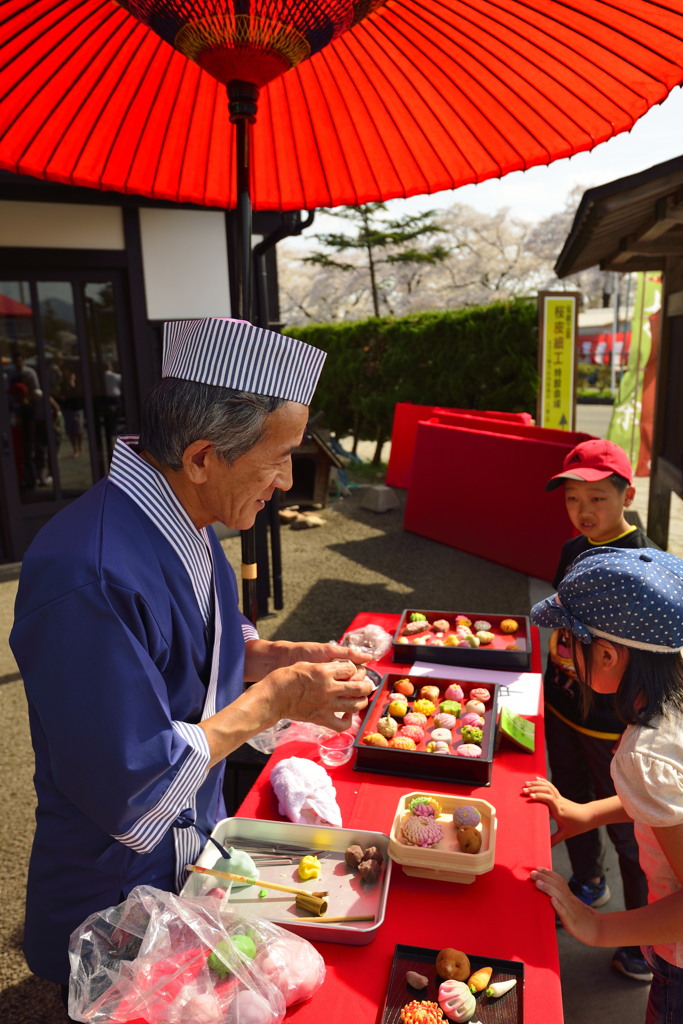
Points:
(60, 359)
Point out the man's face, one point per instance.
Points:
(596, 509)
(234, 495)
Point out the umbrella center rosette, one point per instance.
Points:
(249, 42)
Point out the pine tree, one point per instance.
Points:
(381, 243)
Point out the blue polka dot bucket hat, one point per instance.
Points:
(633, 596)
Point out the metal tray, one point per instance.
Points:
(346, 893)
(506, 1010)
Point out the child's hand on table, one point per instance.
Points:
(577, 919)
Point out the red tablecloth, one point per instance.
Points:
(500, 915)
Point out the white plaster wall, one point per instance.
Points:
(60, 226)
(185, 260)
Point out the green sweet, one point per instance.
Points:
(246, 945)
(450, 707)
(223, 958)
(472, 734)
(417, 617)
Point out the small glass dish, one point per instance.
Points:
(336, 749)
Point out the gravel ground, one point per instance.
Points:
(358, 561)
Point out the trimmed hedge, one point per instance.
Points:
(476, 358)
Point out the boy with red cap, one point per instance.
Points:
(598, 487)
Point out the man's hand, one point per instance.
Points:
(577, 919)
(309, 692)
(264, 656)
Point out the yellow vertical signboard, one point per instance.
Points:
(558, 318)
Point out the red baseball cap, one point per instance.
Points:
(593, 460)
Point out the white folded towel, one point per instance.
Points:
(305, 792)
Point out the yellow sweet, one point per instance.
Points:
(309, 867)
(398, 709)
(425, 707)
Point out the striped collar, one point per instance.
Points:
(150, 490)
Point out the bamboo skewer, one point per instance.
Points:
(252, 881)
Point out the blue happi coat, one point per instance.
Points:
(119, 665)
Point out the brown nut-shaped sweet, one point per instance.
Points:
(353, 855)
(469, 840)
(452, 963)
(373, 853)
(369, 871)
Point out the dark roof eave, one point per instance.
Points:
(596, 203)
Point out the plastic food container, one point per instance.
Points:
(347, 895)
(445, 862)
(429, 644)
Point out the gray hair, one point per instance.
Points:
(178, 412)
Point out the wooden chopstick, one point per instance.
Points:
(252, 881)
(325, 919)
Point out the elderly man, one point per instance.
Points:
(129, 639)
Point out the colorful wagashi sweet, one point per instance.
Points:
(387, 726)
(442, 734)
(415, 718)
(375, 739)
(466, 814)
(414, 732)
(472, 718)
(403, 743)
(424, 707)
(466, 750)
(418, 831)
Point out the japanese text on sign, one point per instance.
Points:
(558, 337)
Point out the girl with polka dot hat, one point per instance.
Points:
(624, 609)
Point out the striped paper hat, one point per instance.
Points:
(235, 354)
(633, 596)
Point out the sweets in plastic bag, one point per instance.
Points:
(158, 957)
(370, 639)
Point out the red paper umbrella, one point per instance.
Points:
(357, 100)
(414, 97)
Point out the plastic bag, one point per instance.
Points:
(158, 957)
(370, 639)
(286, 731)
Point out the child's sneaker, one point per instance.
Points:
(629, 960)
(591, 893)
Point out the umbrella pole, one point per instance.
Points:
(242, 103)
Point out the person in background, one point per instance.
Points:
(133, 651)
(73, 410)
(624, 611)
(598, 487)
